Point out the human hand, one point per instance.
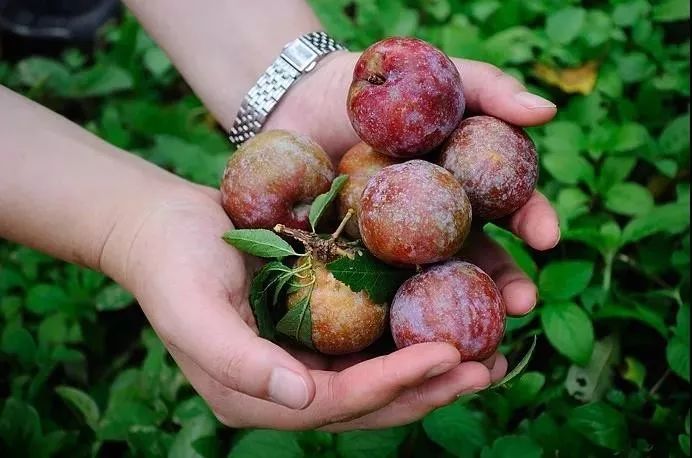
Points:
(316, 106)
(193, 288)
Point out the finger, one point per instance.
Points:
(416, 402)
(491, 91)
(201, 319)
(518, 291)
(536, 223)
(499, 369)
(340, 396)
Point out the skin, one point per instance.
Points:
(406, 97)
(414, 213)
(343, 321)
(360, 163)
(455, 302)
(495, 162)
(159, 235)
(273, 178)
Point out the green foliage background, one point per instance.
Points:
(82, 374)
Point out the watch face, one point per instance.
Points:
(300, 55)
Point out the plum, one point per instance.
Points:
(495, 162)
(414, 213)
(454, 302)
(273, 178)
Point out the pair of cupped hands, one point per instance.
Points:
(193, 287)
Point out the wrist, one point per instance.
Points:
(154, 194)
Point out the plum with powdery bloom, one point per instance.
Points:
(273, 178)
(455, 302)
(414, 213)
(360, 163)
(406, 97)
(495, 162)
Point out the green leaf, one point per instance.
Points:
(382, 443)
(100, 80)
(149, 441)
(113, 297)
(43, 299)
(267, 444)
(670, 218)
(564, 25)
(521, 365)
(562, 280)
(634, 371)
(591, 382)
(525, 388)
(678, 348)
(675, 138)
(297, 322)
(457, 429)
(629, 199)
(263, 287)
(83, 403)
(193, 439)
(20, 426)
(157, 62)
(601, 424)
(630, 12)
(365, 272)
(613, 170)
(630, 136)
(513, 446)
(671, 10)
(39, 71)
(635, 67)
(569, 330)
(16, 340)
(643, 313)
(569, 168)
(322, 202)
(259, 242)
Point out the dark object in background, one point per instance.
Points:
(69, 20)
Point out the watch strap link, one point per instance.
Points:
(297, 58)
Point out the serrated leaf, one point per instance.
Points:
(297, 322)
(322, 202)
(262, 243)
(521, 365)
(84, 404)
(365, 272)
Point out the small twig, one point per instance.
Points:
(658, 384)
(342, 225)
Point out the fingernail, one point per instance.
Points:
(532, 101)
(440, 369)
(288, 388)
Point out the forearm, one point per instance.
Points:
(221, 47)
(64, 191)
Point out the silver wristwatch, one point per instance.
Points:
(297, 58)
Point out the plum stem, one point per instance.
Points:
(342, 225)
(323, 249)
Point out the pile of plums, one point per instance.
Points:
(417, 179)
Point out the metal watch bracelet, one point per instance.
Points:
(297, 58)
